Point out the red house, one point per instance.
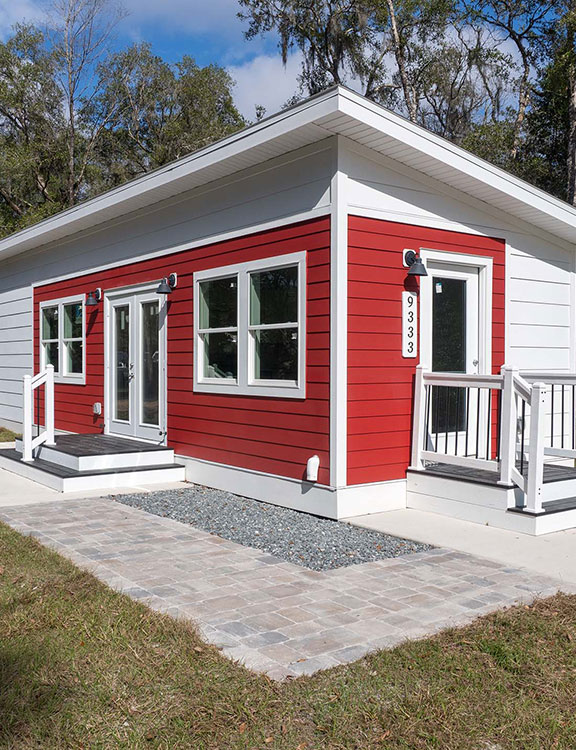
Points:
(332, 310)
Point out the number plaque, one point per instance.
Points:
(409, 324)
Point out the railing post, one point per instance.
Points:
(536, 448)
(27, 408)
(418, 419)
(507, 425)
(49, 405)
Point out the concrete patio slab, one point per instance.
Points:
(15, 490)
(273, 616)
(551, 555)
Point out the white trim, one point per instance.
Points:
(338, 327)
(60, 303)
(485, 283)
(337, 111)
(245, 384)
(139, 431)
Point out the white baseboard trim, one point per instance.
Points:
(318, 499)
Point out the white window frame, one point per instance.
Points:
(60, 303)
(246, 384)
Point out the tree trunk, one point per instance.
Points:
(571, 165)
(401, 62)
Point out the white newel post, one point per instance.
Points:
(507, 425)
(27, 419)
(536, 448)
(49, 405)
(418, 419)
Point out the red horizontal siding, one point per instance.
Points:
(266, 434)
(380, 380)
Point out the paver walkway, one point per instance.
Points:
(274, 616)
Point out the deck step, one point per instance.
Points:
(101, 452)
(65, 479)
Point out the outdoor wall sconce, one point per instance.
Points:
(167, 284)
(415, 265)
(94, 297)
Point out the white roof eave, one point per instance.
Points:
(336, 111)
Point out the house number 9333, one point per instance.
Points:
(409, 324)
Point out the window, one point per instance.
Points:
(62, 338)
(249, 328)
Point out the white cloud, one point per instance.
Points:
(18, 11)
(190, 16)
(264, 80)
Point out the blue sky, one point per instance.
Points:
(209, 30)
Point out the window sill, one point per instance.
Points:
(257, 389)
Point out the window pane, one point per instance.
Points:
(218, 303)
(448, 325)
(122, 357)
(221, 355)
(73, 357)
(51, 355)
(276, 354)
(150, 363)
(73, 321)
(274, 296)
(49, 323)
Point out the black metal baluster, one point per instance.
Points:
(447, 417)
(522, 438)
(498, 423)
(573, 419)
(488, 424)
(436, 412)
(467, 420)
(427, 419)
(552, 419)
(477, 421)
(562, 438)
(457, 420)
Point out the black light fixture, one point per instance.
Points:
(168, 284)
(94, 297)
(415, 265)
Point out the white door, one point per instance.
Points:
(451, 343)
(136, 365)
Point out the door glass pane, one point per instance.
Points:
(150, 363)
(220, 355)
(122, 362)
(274, 296)
(448, 351)
(276, 354)
(218, 303)
(73, 321)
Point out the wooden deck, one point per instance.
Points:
(552, 473)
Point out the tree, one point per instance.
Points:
(31, 130)
(80, 33)
(161, 111)
(523, 22)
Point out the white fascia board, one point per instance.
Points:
(170, 180)
(535, 205)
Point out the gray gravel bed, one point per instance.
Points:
(309, 541)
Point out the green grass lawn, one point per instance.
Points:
(84, 667)
(6, 435)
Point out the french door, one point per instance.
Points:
(451, 343)
(136, 365)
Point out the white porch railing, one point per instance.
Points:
(31, 384)
(496, 423)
